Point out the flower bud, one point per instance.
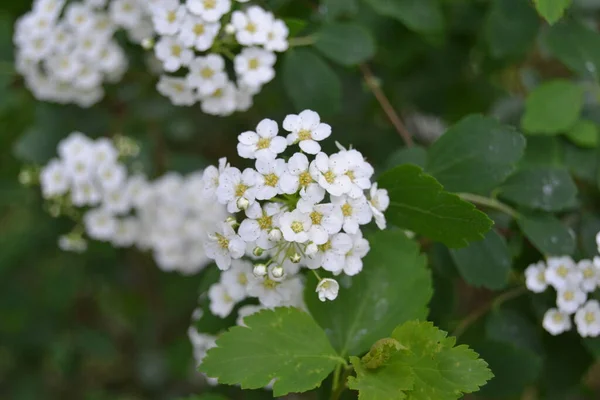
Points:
(243, 203)
(259, 270)
(295, 258)
(275, 235)
(258, 251)
(327, 289)
(148, 43)
(229, 29)
(231, 221)
(276, 273)
(311, 249)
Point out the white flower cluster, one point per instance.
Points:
(574, 283)
(196, 35)
(66, 52)
(294, 213)
(170, 216)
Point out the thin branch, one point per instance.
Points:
(385, 104)
(490, 203)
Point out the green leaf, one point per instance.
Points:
(419, 203)
(548, 189)
(423, 16)
(295, 25)
(206, 396)
(511, 28)
(552, 10)
(475, 155)
(311, 83)
(576, 46)
(283, 344)
(584, 134)
(542, 151)
(345, 43)
(427, 366)
(547, 234)
(511, 326)
(394, 287)
(416, 155)
(485, 263)
(340, 8)
(553, 107)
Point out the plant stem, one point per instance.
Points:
(336, 380)
(385, 104)
(302, 41)
(489, 202)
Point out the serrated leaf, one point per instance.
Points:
(418, 202)
(511, 27)
(552, 10)
(547, 234)
(553, 107)
(311, 83)
(485, 263)
(475, 155)
(393, 287)
(548, 189)
(284, 344)
(438, 369)
(584, 133)
(576, 46)
(424, 16)
(345, 43)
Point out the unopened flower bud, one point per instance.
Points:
(276, 273)
(258, 251)
(259, 270)
(311, 249)
(243, 203)
(148, 43)
(275, 235)
(231, 221)
(295, 258)
(229, 29)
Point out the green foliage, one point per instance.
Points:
(553, 107)
(511, 28)
(584, 133)
(548, 234)
(419, 203)
(552, 10)
(576, 46)
(394, 287)
(284, 344)
(475, 155)
(345, 43)
(424, 16)
(428, 364)
(485, 263)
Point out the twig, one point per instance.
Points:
(385, 104)
(489, 202)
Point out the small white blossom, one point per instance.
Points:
(569, 298)
(177, 90)
(277, 36)
(235, 279)
(556, 322)
(535, 277)
(590, 275)
(225, 245)
(268, 178)
(254, 66)
(327, 219)
(198, 33)
(561, 271)
(331, 173)
(332, 255)
(168, 18)
(221, 303)
(328, 289)
(263, 144)
(235, 185)
(172, 53)
(54, 179)
(379, 201)
(356, 212)
(295, 226)
(587, 319)
(252, 26)
(99, 224)
(360, 247)
(306, 130)
(259, 224)
(209, 10)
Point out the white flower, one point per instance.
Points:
(104, 151)
(535, 277)
(116, 201)
(274, 294)
(222, 101)
(268, 178)
(125, 13)
(84, 194)
(73, 243)
(234, 186)
(254, 66)
(111, 175)
(331, 173)
(263, 144)
(360, 247)
(277, 36)
(235, 279)
(246, 311)
(211, 177)
(54, 179)
(327, 219)
(556, 322)
(172, 53)
(99, 224)
(209, 10)
(221, 303)
(379, 201)
(587, 319)
(177, 90)
(224, 246)
(81, 167)
(74, 145)
(359, 172)
(306, 129)
(561, 271)
(355, 211)
(590, 275)
(79, 17)
(168, 18)
(295, 226)
(328, 289)
(332, 254)
(125, 233)
(196, 32)
(252, 26)
(569, 298)
(259, 223)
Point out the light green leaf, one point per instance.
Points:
(548, 234)
(284, 344)
(393, 287)
(419, 203)
(423, 16)
(345, 43)
(584, 133)
(576, 46)
(548, 189)
(475, 155)
(485, 263)
(552, 10)
(311, 83)
(437, 369)
(553, 107)
(511, 27)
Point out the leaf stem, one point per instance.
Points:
(385, 104)
(489, 202)
(302, 41)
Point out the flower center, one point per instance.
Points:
(304, 135)
(568, 295)
(558, 318)
(305, 179)
(263, 143)
(316, 217)
(325, 247)
(227, 298)
(347, 210)
(210, 4)
(218, 93)
(541, 277)
(269, 284)
(297, 226)
(253, 63)
(207, 73)
(562, 271)
(242, 278)
(178, 87)
(222, 241)
(329, 176)
(176, 50)
(588, 273)
(265, 222)
(199, 29)
(271, 180)
(251, 27)
(171, 16)
(350, 174)
(240, 189)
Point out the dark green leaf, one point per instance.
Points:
(542, 151)
(548, 234)
(475, 155)
(283, 344)
(295, 25)
(511, 27)
(510, 326)
(394, 287)
(340, 8)
(552, 10)
(485, 263)
(311, 83)
(345, 43)
(584, 133)
(416, 155)
(419, 203)
(424, 16)
(576, 46)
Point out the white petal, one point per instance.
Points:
(310, 146)
(310, 119)
(292, 123)
(267, 128)
(323, 131)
